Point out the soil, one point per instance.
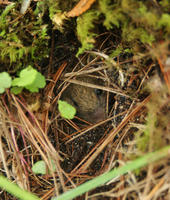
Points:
(76, 150)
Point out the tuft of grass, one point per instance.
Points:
(16, 191)
(117, 172)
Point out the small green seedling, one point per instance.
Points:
(30, 79)
(15, 190)
(40, 167)
(66, 110)
(5, 81)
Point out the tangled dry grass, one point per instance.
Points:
(137, 103)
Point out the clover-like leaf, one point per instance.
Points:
(16, 90)
(5, 81)
(27, 77)
(66, 110)
(30, 79)
(39, 82)
(39, 167)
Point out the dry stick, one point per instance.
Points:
(5, 2)
(97, 145)
(82, 163)
(165, 74)
(150, 149)
(82, 71)
(92, 127)
(11, 141)
(41, 137)
(151, 194)
(2, 150)
(146, 74)
(106, 57)
(114, 132)
(137, 185)
(51, 88)
(45, 139)
(97, 87)
(3, 158)
(85, 71)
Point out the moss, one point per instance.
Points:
(111, 18)
(138, 21)
(165, 5)
(23, 38)
(130, 34)
(164, 22)
(85, 25)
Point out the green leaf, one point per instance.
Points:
(16, 90)
(5, 81)
(39, 167)
(27, 77)
(15, 190)
(66, 110)
(115, 173)
(39, 82)
(30, 79)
